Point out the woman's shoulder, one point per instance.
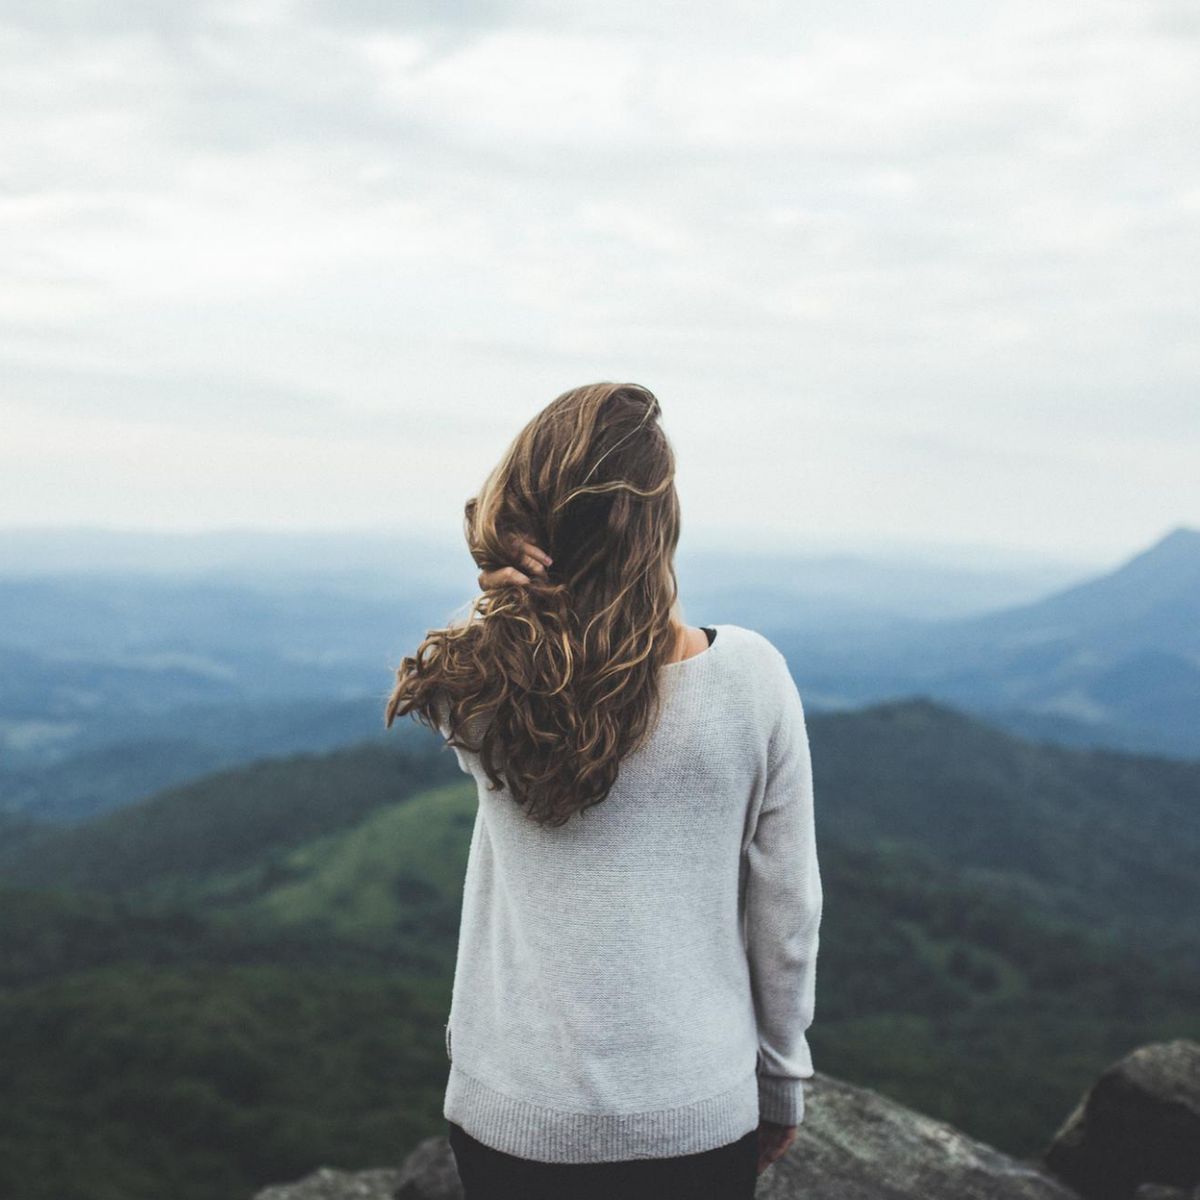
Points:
(754, 644)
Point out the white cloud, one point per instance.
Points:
(942, 233)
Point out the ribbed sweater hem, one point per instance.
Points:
(531, 1131)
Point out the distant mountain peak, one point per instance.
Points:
(1175, 556)
(921, 711)
(1182, 540)
(1166, 572)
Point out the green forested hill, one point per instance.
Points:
(201, 1082)
(236, 981)
(223, 822)
(1097, 836)
(201, 1058)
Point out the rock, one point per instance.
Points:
(328, 1184)
(1134, 1136)
(1160, 1191)
(855, 1144)
(1139, 1123)
(429, 1173)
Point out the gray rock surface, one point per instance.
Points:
(429, 1173)
(854, 1144)
(1160, 1191)
(328, 1184)
(1139, 1123)
(1135, 1135)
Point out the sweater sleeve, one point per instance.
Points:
(442, 709)
(783, 915)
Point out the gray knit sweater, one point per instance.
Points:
(638, 982)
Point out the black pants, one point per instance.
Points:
(726, 1173)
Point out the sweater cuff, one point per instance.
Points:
(780, 1100)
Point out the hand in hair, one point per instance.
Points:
(531, 557)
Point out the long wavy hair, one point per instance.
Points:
(554, 682)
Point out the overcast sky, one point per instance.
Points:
(896, 272)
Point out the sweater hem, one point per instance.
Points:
(530, 1131)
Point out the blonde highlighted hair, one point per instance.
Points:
(554, 682)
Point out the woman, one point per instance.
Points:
(637, 955)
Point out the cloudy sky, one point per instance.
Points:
(897, 273)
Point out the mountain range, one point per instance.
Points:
(115, 686)
(1112, 661)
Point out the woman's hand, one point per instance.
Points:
(773, 1141)
(531, 557)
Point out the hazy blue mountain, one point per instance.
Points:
(130, 756)
(1150, 603)
(913, 578)
(142, 641)
(1112, 661)
(112, 687)
(131, 662)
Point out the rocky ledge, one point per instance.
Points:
(1134, 1135)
